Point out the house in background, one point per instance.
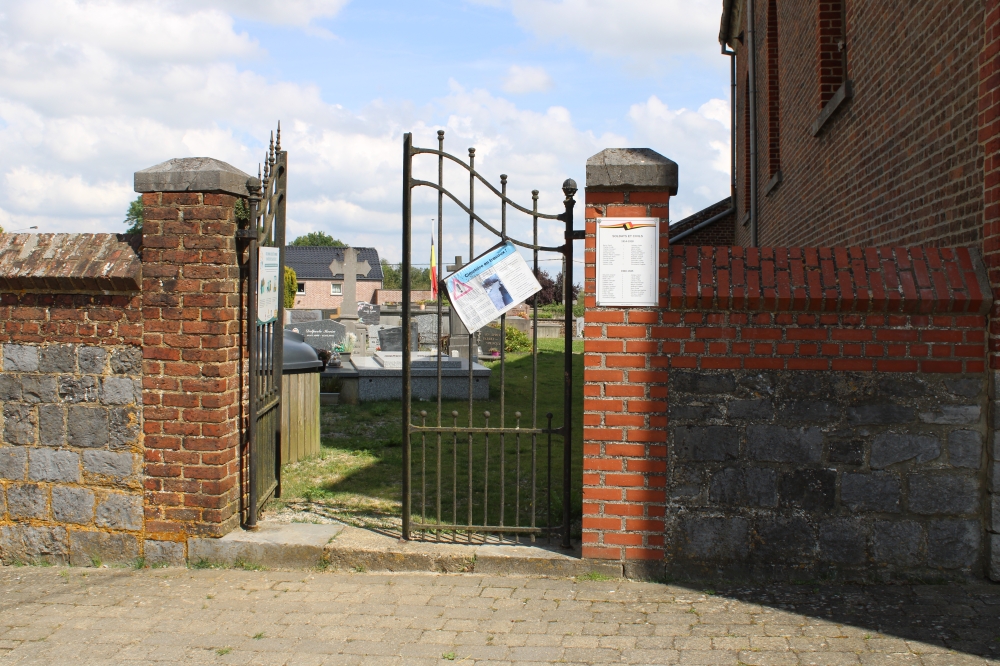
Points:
(318, 287)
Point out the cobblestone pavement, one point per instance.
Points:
(87, 616)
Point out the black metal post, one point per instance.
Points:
(253, 339)
(569, 189)
(407, 164)
(279, 325)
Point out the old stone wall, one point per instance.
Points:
(798, 474)
(71, 458)
(71, 441)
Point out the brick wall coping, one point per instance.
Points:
(921, 280)
(631, 169)
(68, 262)
(192, 174)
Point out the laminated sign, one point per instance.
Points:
(628, 261)
(490, 286)
(268, 286)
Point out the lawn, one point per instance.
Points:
(357, 477)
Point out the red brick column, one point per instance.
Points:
(191, 349)
(625, 375)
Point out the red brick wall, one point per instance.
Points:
(875, 310)
(192, 356)
(318, 296)
(93, 319)
(989, 139)
(900, 163)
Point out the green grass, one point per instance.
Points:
(357, 477)
(556, 311)
(595, 576)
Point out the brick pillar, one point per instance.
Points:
(625, 376)
(989, 138)
(191, 348)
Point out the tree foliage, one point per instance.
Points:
(133, 217)
(317, 239)
(291, 287)
(392, 277)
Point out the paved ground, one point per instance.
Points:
(84, 616)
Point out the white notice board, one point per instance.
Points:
(628, 260)
(268, 286)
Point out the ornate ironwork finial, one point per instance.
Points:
(534, 195)
(472, 152)
(569, 188)
(503, 178)
(270, 150)
(277, 143)
(440, 135)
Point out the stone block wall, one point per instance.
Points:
(71, 458)
(800, 474)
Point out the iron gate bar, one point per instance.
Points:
(267, 203)
(439, 431)
(528, 246)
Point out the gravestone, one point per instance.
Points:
(324, 334)
(350, 265)
(489, 339)
(369, 313)
(299, 316)
(391, 339)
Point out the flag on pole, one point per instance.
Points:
(434, 271)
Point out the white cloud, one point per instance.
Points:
(521, 80)
(83, 105)
(697, 140)
(635, 29)
(289, 12)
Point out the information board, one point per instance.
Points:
(268, 286)
(628, 259)
(490, 286)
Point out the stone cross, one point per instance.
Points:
(350, 266)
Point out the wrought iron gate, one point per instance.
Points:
(521, 461)
(265, 228)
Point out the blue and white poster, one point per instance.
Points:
(490, 286)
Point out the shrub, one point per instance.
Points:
(516, 341)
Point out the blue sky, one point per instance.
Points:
(93, 90)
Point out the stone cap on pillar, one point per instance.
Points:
(631, 168)
(193, 174)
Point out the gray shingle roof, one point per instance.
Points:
(313, 263)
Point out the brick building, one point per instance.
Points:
(866, 124)
(319, 288)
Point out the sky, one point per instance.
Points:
(93, 90)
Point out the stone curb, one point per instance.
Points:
(339, 547)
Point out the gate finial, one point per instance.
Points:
(569, 188)
(277, 145)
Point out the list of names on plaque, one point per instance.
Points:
(627, 261)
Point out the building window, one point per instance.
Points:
(336, 289)
(773, 103)
(832, 49)
(300, 288)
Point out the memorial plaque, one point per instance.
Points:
(369, 313)
(391, 339)
(628, 261)
(299, 316)
(321, 334)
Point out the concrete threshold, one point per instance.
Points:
(276, 545)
